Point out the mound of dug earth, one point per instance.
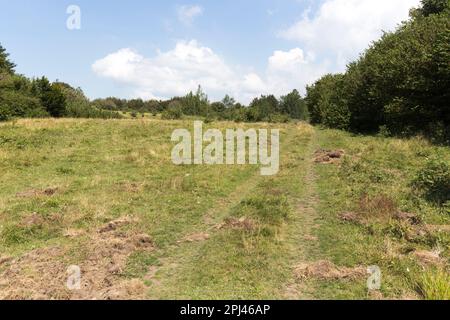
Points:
(43, 273)
(36, 193)
(326, 270)
(328, 156)
(235, 223)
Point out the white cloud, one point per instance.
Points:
(327, 40)
(189, 64)
(187, 13)
(285, 60)
(343, 28)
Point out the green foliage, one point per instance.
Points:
(173, 112)
(261, 108)
(430, 7)
(434, 181)
(54, 101)
(294, 106)
(435, 285)
(400, 83)
(6, 66)
(326, 104)
(195, 104)
(79, 106)
(21, 97)
(17, 100)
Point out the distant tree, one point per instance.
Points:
(136, 105)
(294, 106)
(218, 107)
(51, 96)
(6, 66)
(228, 102)
(195, 104)
(173, 112)
(262, 108)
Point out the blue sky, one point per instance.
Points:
(158, 49)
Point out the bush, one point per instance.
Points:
(17, 104)
(433, 181)
(173, 112)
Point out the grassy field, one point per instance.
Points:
(104, 195)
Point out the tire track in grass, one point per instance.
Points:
(238, 264)
(178, 254)
(304, 242)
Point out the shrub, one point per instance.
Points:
(433, 181)
(173, 112)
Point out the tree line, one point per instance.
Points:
(266, 108)
(21, 97)
(399, 86)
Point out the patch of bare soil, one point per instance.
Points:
(131, 187)
(238, 224)
(428, 258)
(417, 233)
(73, 233)
(375, 295)
(4, 259)
(328, 156)
(325, 270)
(364, 218)
(195, 237)
(407, 217)
(113, 225)
(352, 217)
(36, 219)
(439, 228)
(37, 193)
(42, 273)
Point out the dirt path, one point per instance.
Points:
(180, 264)
(184, 252)
(302, 229)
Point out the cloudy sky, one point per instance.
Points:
(159, 49)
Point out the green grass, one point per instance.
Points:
(376, 166)
(435, 285)
(103, 170)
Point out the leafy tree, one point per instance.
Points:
(51, 96)
(173, 112)
(195, 104)
(400, 83)
(261, 108)
(228, 102)
(326, 102)
(294, 106)
(136, 105)
(430, 7)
